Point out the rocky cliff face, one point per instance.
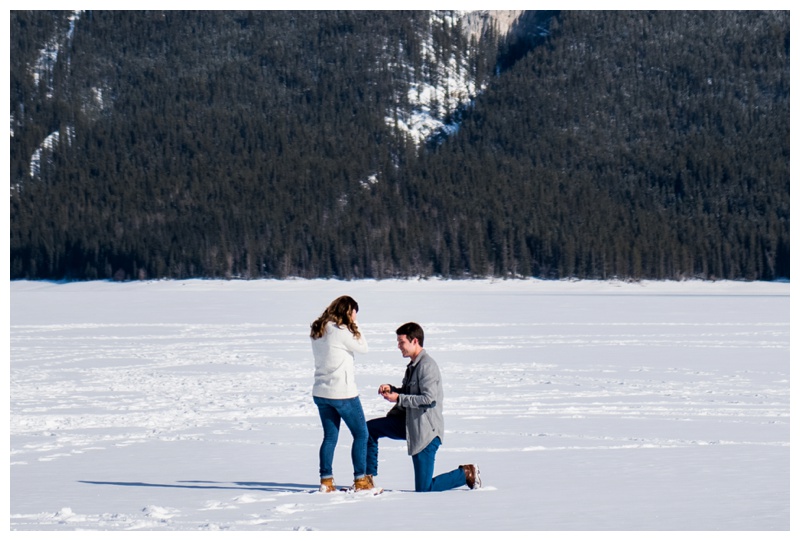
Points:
(475, 23)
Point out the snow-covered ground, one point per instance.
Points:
(185, 405)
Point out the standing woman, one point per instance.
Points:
(334, 339)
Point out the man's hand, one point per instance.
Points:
(385, 391)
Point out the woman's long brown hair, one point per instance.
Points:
(340, 313)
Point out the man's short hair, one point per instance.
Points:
(412, 330)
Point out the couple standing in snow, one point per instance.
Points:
(415, 417)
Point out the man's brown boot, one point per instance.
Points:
(473, 475)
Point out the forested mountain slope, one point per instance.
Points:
(273, 144)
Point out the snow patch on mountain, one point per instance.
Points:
(42, 73)
(445, 84)
(48, 145)
(42, 70)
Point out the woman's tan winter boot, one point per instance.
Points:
(363, 483)
(326, 485)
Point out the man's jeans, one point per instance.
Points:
(394, 427)
(331, 412)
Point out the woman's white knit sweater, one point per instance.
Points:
(334, 374)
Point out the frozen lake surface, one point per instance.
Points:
(185, 405)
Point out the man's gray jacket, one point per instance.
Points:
(421, 397)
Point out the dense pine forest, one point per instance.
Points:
(602, 144)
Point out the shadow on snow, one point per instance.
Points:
(264, 486)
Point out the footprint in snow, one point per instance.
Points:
(216, 505)
(288, 508)
(161, 513)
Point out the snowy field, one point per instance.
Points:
(589, 406)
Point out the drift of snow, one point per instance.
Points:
(186, 405)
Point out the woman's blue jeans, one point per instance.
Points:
(331, 412)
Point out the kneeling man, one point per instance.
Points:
(417, 418)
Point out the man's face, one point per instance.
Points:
(408, 349)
